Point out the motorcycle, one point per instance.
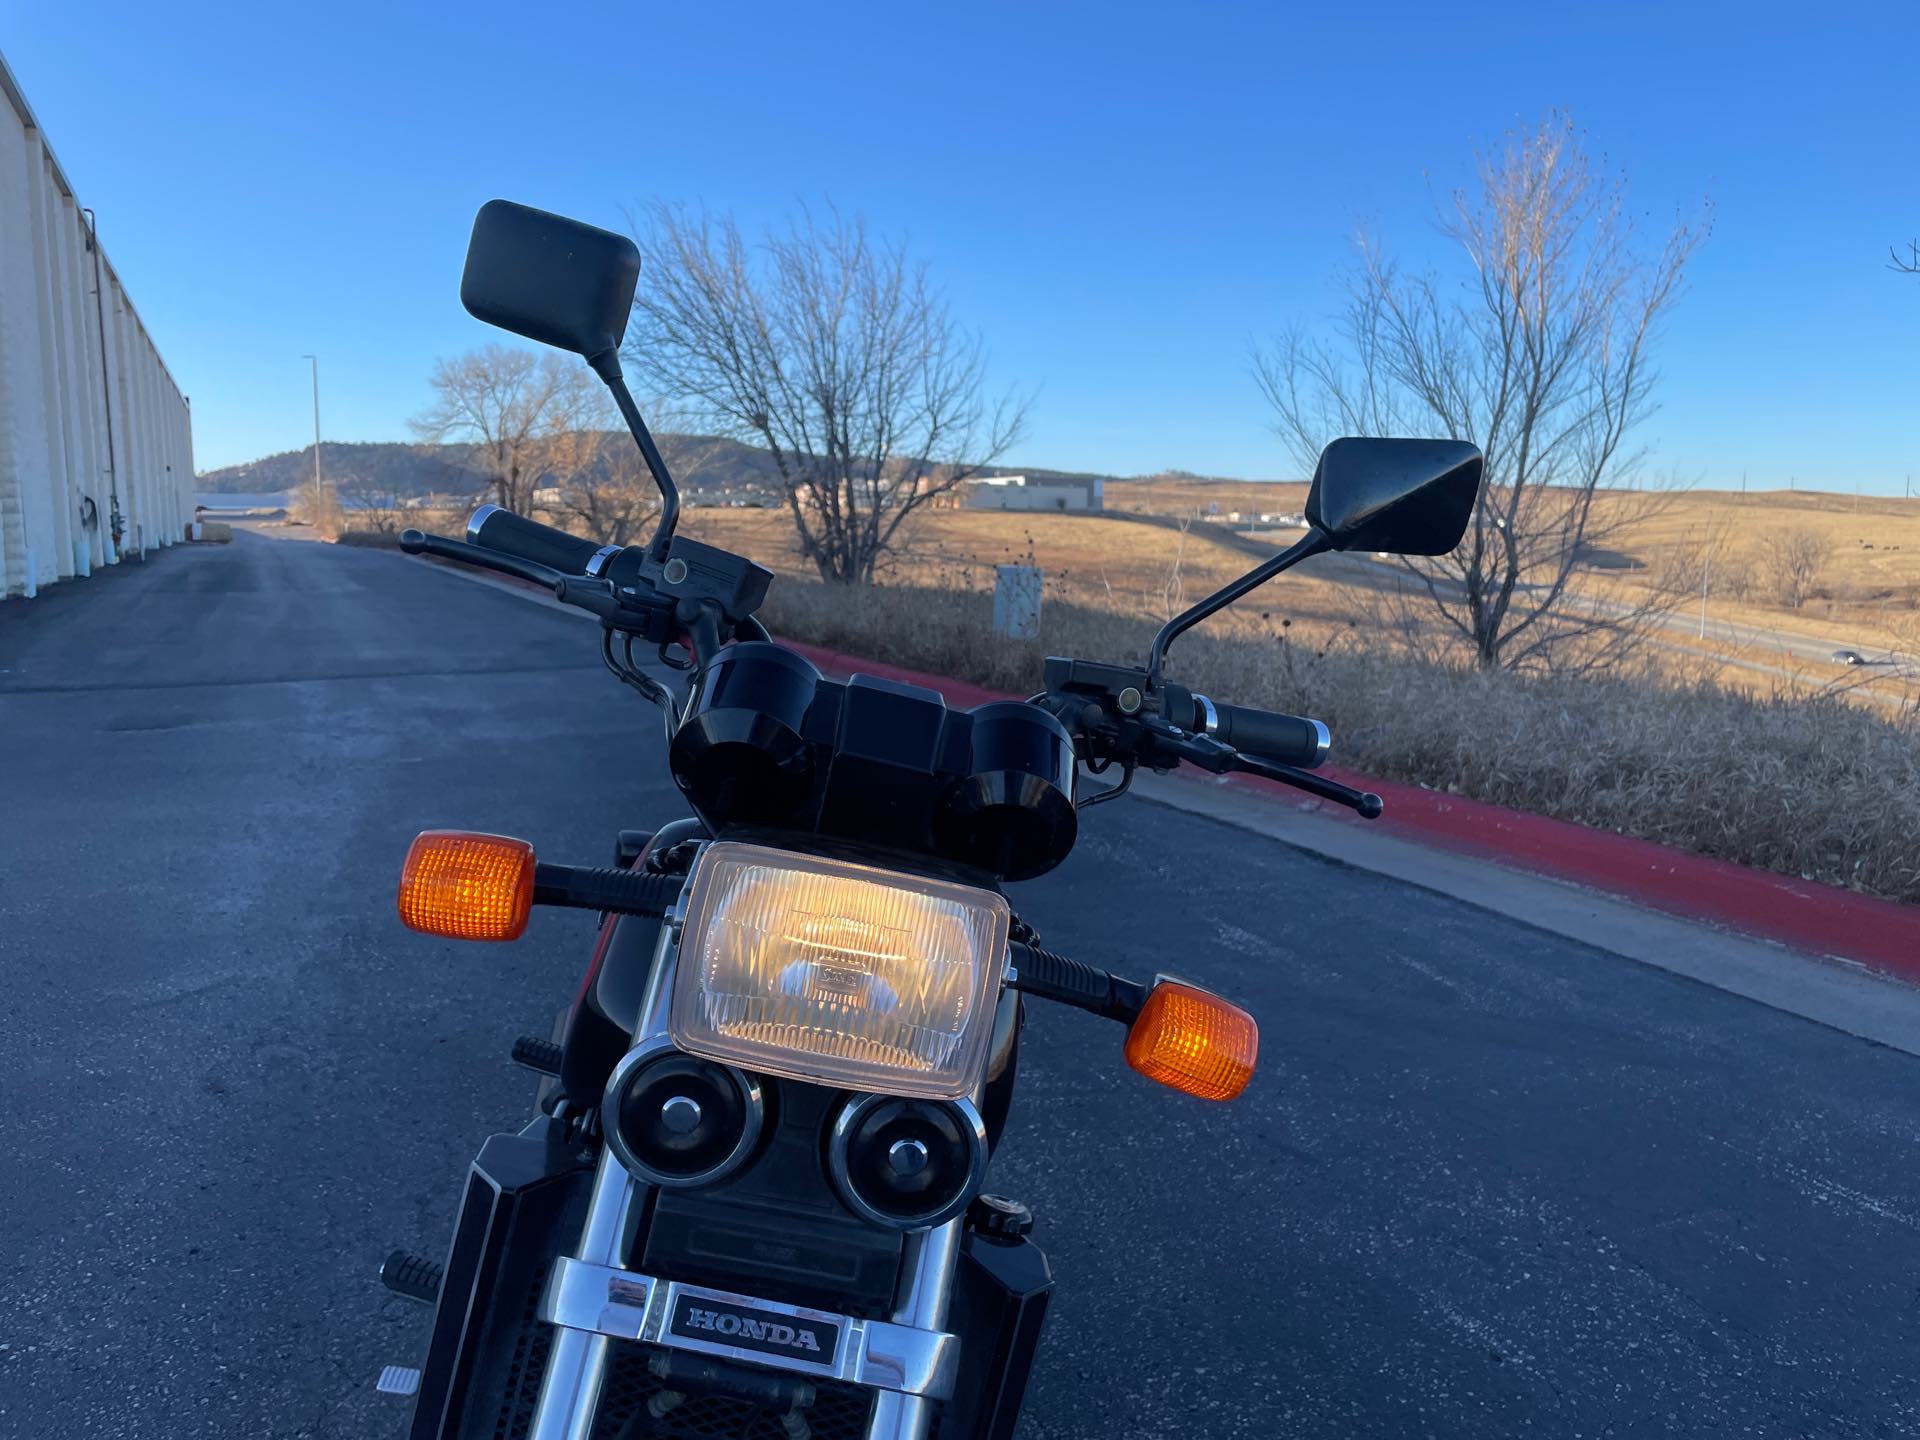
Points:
(752, 1200)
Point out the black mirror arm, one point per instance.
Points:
(606, 365)
(1314, 542)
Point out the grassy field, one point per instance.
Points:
(1870, 578)
(1867, 596)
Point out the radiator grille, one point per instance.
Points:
(839, 1412)
(528, 1367)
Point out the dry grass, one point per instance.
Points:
(1807, 786)
(1872, 566)
(1868, 581)
(1098, 562)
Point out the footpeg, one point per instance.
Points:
(413, 1276)
(536, 1054)
(398, 1380)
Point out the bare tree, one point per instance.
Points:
(507, 410)
(369, 505)
(1908, 266)
(602, 481)
(1173, 589)
(1792, 561)
(831, 351)
(1541, 356)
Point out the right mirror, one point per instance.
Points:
(1399, 497)
(549, 278)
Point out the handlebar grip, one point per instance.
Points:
(1073, 982)
(624, 892)
(510, 534)
(1288, 739)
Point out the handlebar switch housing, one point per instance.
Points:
(706, 573)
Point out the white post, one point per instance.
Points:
(1016, 601)
(1706, 569)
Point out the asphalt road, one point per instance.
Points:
(1490, 1183)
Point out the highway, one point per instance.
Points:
(1490, 1182)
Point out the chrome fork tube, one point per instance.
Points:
(577, 1363)
(922, 1302)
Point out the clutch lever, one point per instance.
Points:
(597, 597)
(1210, 754)
(418, 542)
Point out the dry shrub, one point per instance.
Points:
(1792, 561)
(318, 506)
(1804, 785)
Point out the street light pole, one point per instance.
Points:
(316, 420)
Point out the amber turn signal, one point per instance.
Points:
(1194, 1041)
(467, 886)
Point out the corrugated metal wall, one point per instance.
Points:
(77, 451)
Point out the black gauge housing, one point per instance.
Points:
(769, 743)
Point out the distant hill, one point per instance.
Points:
(703, 464)
(400, 469)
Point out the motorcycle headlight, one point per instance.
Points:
(838, 973)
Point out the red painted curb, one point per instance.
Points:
(1823, 919)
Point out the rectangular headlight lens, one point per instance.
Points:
(838, 973)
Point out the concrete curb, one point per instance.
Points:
(1804, 915)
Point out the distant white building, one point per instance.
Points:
(1022, 492)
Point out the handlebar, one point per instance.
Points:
(1287, 739)
(501, 530)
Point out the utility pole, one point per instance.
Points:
(1706, 569)
(316, 421)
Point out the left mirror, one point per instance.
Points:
(549, 278)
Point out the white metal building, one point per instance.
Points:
(96, 449)
(1027, 492)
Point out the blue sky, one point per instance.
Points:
(1118, 196)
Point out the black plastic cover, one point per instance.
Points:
(740, 756)
(1000, 1295)
(1010, 812)
(526, 1200)
(877, 764)
(776, 1228)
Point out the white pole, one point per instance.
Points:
(316, 424)
(1706, 569)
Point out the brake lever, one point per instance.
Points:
(1369, 805)
(583, 592)
(1210, 754)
